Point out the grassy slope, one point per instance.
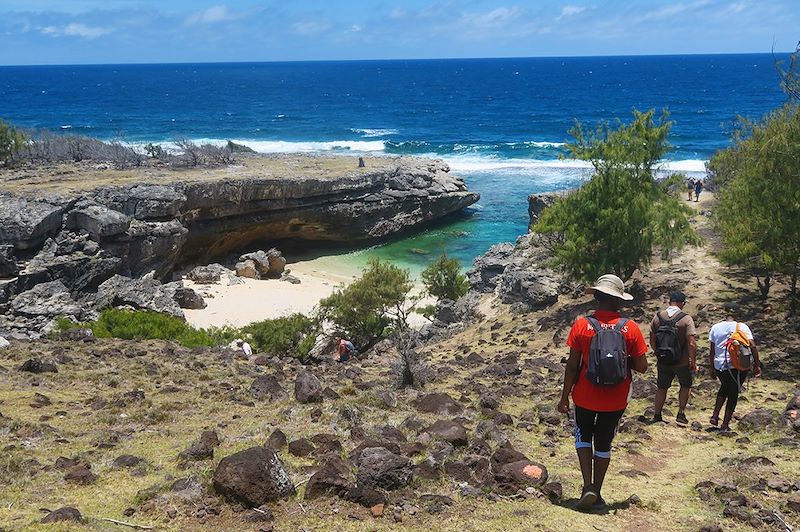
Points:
(211, 389)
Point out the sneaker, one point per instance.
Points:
(657, 418)
(681, 418)
(714, 421)
(588, 498)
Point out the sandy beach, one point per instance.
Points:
(255, 300)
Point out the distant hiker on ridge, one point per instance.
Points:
(604, 347)
(698, 188)
(674, 342)
(690, 188)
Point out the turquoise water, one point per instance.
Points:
(499, 123)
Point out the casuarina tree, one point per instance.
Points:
(617, 219)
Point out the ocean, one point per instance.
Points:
(499, 123)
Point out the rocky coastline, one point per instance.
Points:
(63, 246)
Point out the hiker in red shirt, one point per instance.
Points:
(598, 377)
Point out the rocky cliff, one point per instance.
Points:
(82, 236)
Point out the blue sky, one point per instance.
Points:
(144, 31)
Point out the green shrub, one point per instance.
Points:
(443, 279)
(291, 335)
(11, 141)
(233, 147)
(615, 221)
(142, 325)
(366, 309)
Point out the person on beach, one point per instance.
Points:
(673, 339)
(723, 367)
(600, 391)
(346, 349)
(690, 188)
(244, 347)
(698, 188)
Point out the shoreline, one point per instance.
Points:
(254, 300)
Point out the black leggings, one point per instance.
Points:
(731, 381)
(598, 426)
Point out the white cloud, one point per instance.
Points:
(310, 27)
(570, 11)
(75, 29)
(212, 15)
(355, 28)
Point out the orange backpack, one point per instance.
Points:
(739, 353)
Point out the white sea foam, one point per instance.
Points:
(540, 144)
(376, 132)
(283, 146)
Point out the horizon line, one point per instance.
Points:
(282, 61)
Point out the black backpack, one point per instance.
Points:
(608, 354)
(669, 348)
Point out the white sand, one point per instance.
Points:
(240, 304)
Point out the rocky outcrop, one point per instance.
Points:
(253, 477)
(86, 239)
(521, 273)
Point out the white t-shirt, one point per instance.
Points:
(246, 349)
(719, 335)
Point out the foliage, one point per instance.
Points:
(11, 141)
(142, 325)
(366, 309)
(443, 279)
(291, 335)
(758, 213)
(410, 367)
(155, 151)
(234, 147)
(615, 221)
(790, 75)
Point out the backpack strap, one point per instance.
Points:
(620, 324)
(594, 323)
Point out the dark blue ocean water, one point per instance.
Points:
(499, 123)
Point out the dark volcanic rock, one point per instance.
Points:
(35, 365)
(208, 274)
(277, 440)
(522, 473)
(67, 513)
(253, 477)
(307, 388)
(758, 419)
(188, 298)
(438, 403)
(301, 447)
(452, 432)
(8, 263)
(326, 481)
(267, 387)
(80, 474)
(365, 496)
(380, 468)
(126, 460)
(198, 451)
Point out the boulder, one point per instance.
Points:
(144, 294)
(253, 477)
(326, 481)
(153, 248)
(486, 269)
(380, 468)
(277, 440)
(99, 221)
(207, 274)
(25, 224)
(188, 298)
(46, 299)
(758, 419)
(126, 460)
(267, 387)
(81, 474)
(8, 263)
(267, 263)
(452, 432)
(35, 365)
(143, 202)
(522, 473)
(438, 403)
(4, 344)
(302, 447)
(247, 269)
(365, 496)
(67, 513)
(307, 388)
(197, 452)
(536, 289)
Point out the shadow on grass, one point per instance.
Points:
(571, 504)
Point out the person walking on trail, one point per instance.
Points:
(698, 188)
(690, 188)
(733, 356)
(674, 341)
(603, 348)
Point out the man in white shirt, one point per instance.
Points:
(245, 347)
(731, 379)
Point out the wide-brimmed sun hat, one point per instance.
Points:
(612, 285)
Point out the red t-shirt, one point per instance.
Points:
(603, 398)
